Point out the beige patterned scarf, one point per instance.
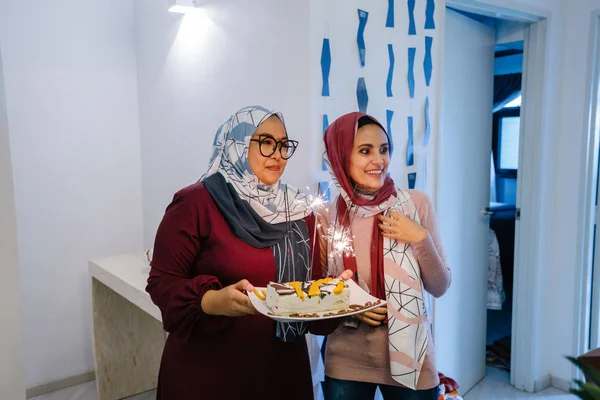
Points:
(408, 321)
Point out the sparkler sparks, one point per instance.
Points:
(341, 242)
(315, 201)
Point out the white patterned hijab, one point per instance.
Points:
(275, 203)
(260, 215)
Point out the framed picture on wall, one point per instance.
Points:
(505, 144)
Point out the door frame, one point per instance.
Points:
(528, 268)
(588, 300)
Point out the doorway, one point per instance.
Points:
(464, 188)
(504, 173)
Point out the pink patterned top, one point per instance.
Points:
(362, 354)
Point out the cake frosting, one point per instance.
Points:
(308, 297)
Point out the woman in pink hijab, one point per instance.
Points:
(397, 257)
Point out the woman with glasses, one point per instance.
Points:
(237, 227)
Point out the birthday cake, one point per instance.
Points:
(293, 298)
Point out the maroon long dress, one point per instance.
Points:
(218, 357)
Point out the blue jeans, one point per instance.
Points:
(337, 389)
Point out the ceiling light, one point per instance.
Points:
(183, 6)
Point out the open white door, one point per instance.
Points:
(463, 190)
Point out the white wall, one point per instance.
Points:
(72, 106)
(196, 70)
(338, 20)
(12, 362)
(564, 289)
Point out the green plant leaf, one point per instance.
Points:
(579, 383)
(592, 389)
(590, 372)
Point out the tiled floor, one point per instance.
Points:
(86, 391)
(495, 386)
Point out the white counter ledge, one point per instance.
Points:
(127, 328)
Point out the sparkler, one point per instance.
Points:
(341, 242)
(340, 239)
(315, 201)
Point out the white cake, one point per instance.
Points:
(308, 297)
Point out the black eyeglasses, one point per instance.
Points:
(268, 146)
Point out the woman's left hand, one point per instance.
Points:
(346, 275)
(374, 317)
(401, 228)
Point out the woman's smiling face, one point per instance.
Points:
(370, 158)
(268, 170)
